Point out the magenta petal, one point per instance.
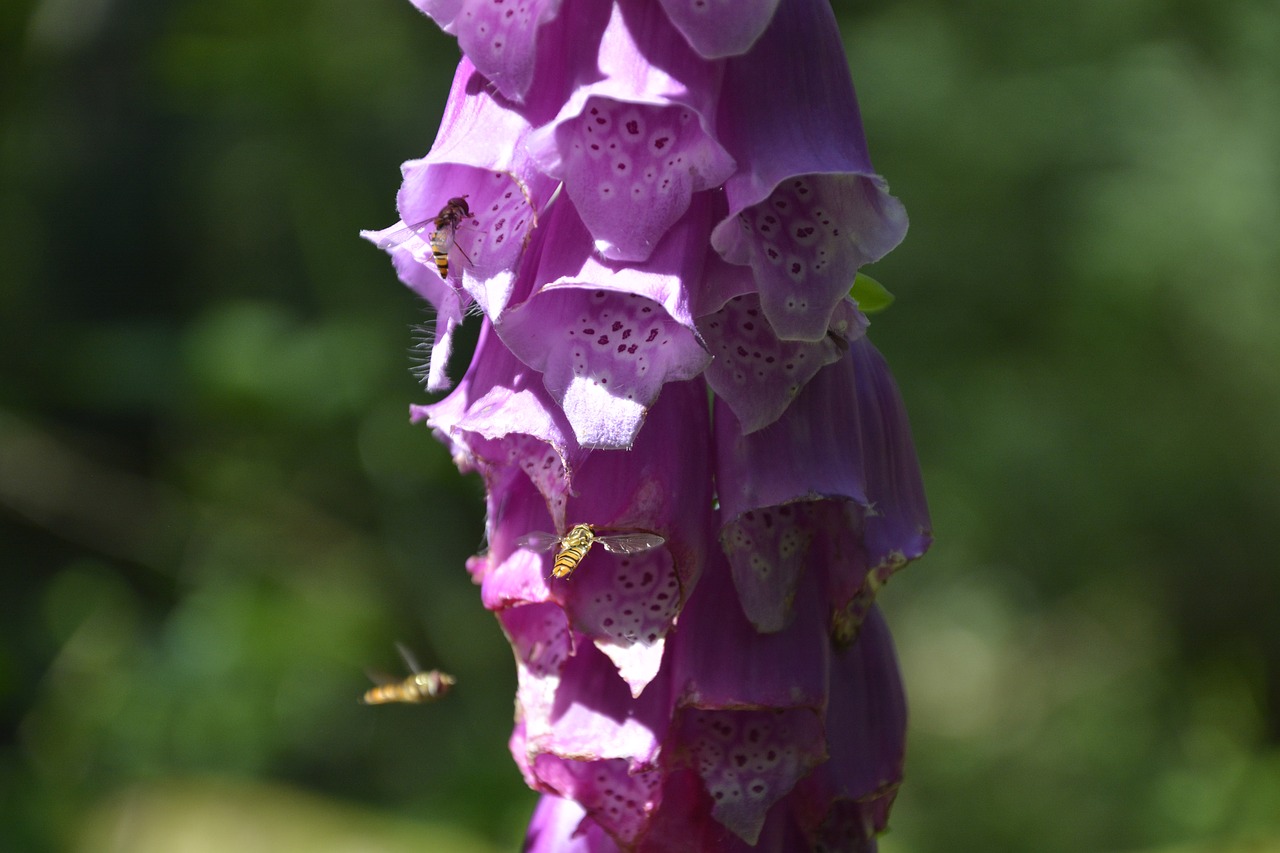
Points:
(485, 248)
(500, 396)
(560, 825)
(723, 668)
(845, 440)
(718, 28)
(867, 715)
(722, 661)
(608, 337)
(682, 823)
(847, 799)
(757, 374)
(513, 576)
(499, 36)
(543, 643)
(585, 737)
(749, 760)
(806, 209)
(479, 156)
(616, 799)
(591, 714)
(770, 550)
(627, 604)
(633, 146)
(845, 437)
(449, 305)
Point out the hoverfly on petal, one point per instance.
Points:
(575, 544)
(419, 688)
(441, 237)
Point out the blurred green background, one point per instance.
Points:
(214, 515)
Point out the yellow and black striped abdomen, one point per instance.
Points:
(573, 549)
(416, 689)
(568, 559)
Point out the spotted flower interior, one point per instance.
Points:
(657, 211)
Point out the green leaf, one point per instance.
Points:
(870, 294)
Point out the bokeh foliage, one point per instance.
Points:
(214, 515)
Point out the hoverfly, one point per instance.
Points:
(417, 689)
(575, 544)
(441, 239)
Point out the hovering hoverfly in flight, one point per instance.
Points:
(419, 688)
(575, 544)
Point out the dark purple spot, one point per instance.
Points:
(602, 340)
(749, 326)
(632, 349)
(633, 127)
(661, 142)
(625, 334)
(588, 331)
(617, 325)
(653, 334)
(796, 268)
(622, 347)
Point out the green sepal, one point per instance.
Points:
(870, 294)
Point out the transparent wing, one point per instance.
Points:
(379, 677)
(409, 660)
(629, 543)
(401, 232)
(538, 541)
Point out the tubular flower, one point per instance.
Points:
(659, 209)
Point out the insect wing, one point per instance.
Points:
(538, 541)
(401, 233)
(409, 660)
(629, 543)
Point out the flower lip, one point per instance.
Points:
(636, 141)
(728, 30)
(805, 208)
(607, 337)
(631, 169)
(500, 38)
